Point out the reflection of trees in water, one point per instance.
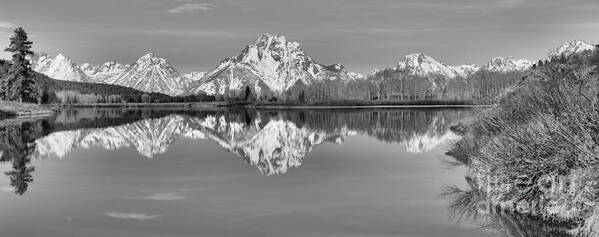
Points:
(17, 145)
(17, 138)
(561, 202)
(474, 205)
(20, 176)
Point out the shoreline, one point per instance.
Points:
(12, 110)
(24, 118)
(361, 106)
(118, 105)
(195, 105)
(34, 114)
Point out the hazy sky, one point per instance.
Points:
(362, 34)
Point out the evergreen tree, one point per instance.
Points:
(248, 91)
(20, 46)
(302, 96)
(18, 84)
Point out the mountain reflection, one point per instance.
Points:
(271, 140)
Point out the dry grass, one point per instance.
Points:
(12, 108)
(548, 126)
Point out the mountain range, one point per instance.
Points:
(149, 73)
(271, 65)
(59, 67)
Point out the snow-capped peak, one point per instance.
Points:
(569, 48)
(191, 77)
(87, 67)
(104, 73)
(151, 58)
(60, 56)
(146, 56)
(59, 67)
(271, 64)
(356, 76)
(195, 76)
(424, 65)
(267, 38)
(151, 73)
(467, 69)
(507, 64)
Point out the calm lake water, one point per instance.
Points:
(119, 172)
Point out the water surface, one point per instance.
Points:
(119, 172)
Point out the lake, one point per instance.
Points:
(160, 172)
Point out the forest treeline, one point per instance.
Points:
(389, 86)
(395, 85)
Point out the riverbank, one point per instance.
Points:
(9, 109)
(279, 105)
(536, 151)
(363, 104)
(145, 105)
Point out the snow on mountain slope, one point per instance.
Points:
(569, 48)
(87, 68)
(356, 76)
(191, 77)
(338, 72)
(59, 67)
(423, 65)
(507, 64)
(272, 64)
(466, 70)
(195, 76)
(151, 74)
(105, 72)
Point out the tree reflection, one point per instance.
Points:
(17, 144)
(20, 176)
(474, 206)
(18, 136)
(520, 204)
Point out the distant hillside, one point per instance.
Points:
(50, 86)
(127, 93)
(149, 73)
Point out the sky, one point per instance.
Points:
(195, 35)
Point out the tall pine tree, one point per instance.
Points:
(19, 83)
